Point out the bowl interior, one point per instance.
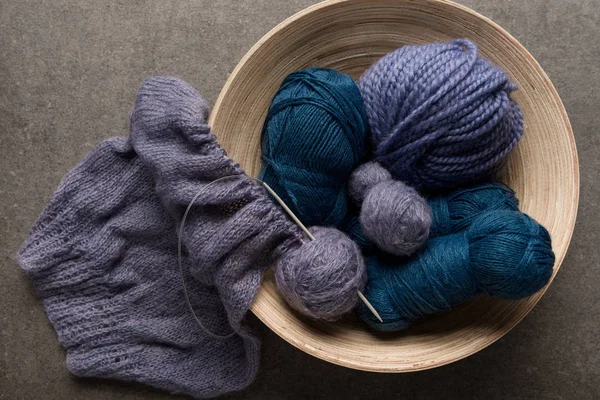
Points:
(349, 36)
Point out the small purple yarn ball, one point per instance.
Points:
(321, 278)
(396, 218)
(440, 115)
(363, 178)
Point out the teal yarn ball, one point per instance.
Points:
(313, 137)
(455, 211)
(505, 254)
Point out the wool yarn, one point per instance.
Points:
(312, 139)
(392, 215)
(440, 116)
(503, 253)
(455, 211)
(321, 278)
(396, 218)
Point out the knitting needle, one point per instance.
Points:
(310, 235)
(287, 210)
(369, 306)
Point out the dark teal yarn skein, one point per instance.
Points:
(313, 137)
(503, 253)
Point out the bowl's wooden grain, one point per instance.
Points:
(349, 35)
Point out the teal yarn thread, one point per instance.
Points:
(313, 137)
(455, 211)
(505, 254)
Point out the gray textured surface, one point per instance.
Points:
(69, 71)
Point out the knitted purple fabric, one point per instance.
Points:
(103, 254)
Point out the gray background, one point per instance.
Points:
(69, 71)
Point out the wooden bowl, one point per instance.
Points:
(349, 35)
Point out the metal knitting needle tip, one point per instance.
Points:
(310, 235)
(287, 210)
(369, 306)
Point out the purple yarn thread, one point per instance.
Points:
(440, 116)
(393, 215)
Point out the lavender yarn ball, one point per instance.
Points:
(440, 116)
(393, 215)
(363, 178)
(396, 218)
(321, 278)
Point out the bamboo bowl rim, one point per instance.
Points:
(237, 120)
